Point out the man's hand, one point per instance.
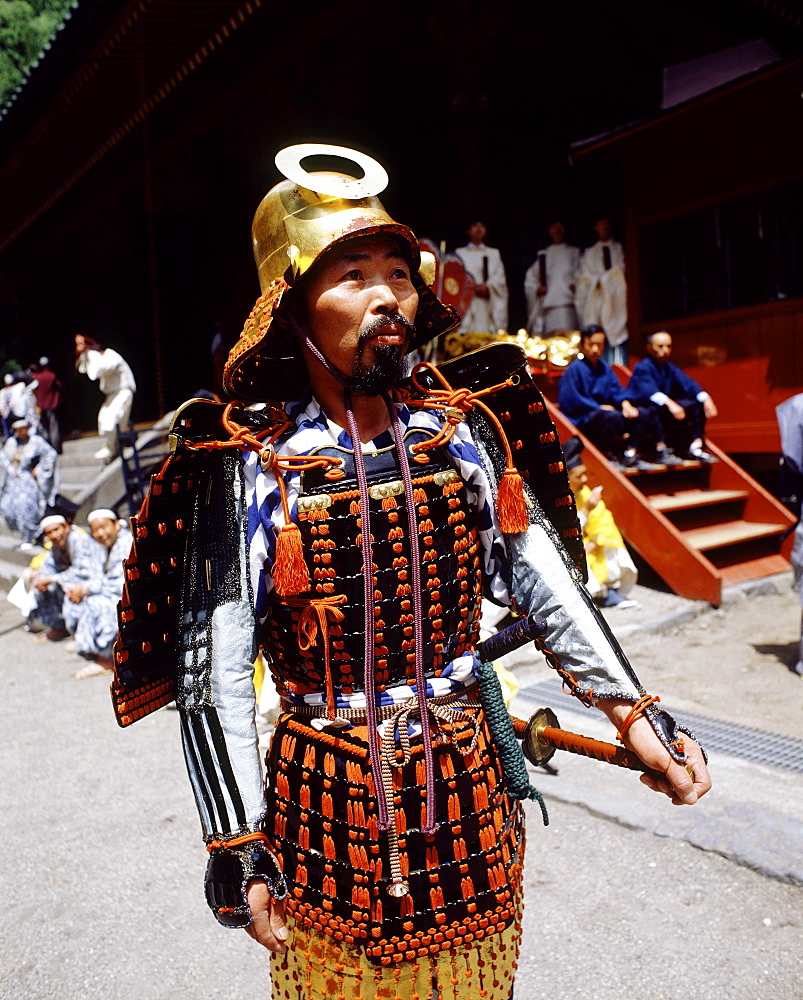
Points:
(629, 412)
(42, 583)
(77, 593)
(268, 926)
(675, 409)
(709, 408)
(677, 783)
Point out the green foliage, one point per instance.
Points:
(25, 27)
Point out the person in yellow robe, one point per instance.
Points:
(611, 573)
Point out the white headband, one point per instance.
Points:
(48, 522)
(101, 512)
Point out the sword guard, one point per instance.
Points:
(536, 750)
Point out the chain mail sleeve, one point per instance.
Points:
(540, 578)
(215, 690)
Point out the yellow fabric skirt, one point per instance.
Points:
(317, 967)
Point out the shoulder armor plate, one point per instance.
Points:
(528, 427)
(150, 609)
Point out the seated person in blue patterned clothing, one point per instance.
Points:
(682, 406)
(592, 397)
(73, 559)
(91, 613)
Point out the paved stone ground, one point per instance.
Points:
(102, 867)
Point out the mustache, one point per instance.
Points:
(390, 319)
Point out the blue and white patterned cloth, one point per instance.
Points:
(93, 620)
(27, 483)
(79, 562)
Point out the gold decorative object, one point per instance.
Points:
(547, 355)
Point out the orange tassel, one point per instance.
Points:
(511, 504)
(290, 573)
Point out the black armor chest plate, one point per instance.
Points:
(328, 516)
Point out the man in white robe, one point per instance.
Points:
(488, 310)
(117, 384)
(602, 292)
(549, 285)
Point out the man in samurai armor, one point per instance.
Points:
(347, 521)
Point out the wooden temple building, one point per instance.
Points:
(713, 206)
(713, 202)
(134, 154)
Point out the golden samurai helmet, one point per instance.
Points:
(297, 221)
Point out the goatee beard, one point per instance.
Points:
(388, 367)
(387, 370)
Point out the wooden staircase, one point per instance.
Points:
(700, 527)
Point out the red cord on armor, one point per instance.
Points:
(430, 825)
(368, 595)
(290, 573)
(636, 712)
(215, 845)
(456, 403)
(316, 613)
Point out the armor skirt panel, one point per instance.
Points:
(464, 880)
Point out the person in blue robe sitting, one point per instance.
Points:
(681, 404)
(592, 397)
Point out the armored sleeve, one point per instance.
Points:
(539, 578)
(214, 685)
(533, 573)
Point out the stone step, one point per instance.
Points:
(12, 560)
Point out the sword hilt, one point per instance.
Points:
(541, 736)
(524, 630)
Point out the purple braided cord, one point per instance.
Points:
(368, 588)
(418, 615)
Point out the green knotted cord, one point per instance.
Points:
(514, 768)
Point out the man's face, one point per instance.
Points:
(476, 232)
(361, 305)
(593, 346)
(603, 228)
(578, 478)
(659, 346)
(104, 530)
(57, 534)
(556, 231)
(21, 434)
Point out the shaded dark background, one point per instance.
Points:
(143, 239)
